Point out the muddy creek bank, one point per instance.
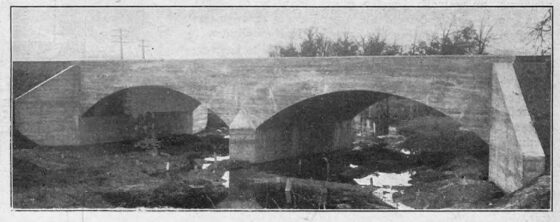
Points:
(371, 175)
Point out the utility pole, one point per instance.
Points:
(120, 40)
(143, 46)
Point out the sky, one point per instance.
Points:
(188, 33)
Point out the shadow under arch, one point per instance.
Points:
(323, 123)
(141, 111)
(141, 98)
(339, 105)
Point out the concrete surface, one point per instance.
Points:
(535, 79)
(516, 154)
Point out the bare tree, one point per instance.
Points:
(447, 28)
(484, 35)
(542, 34)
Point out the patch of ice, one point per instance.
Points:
(385, 179)
(205, 165)
(405, 151)
(226, 178)
(463, 129)
(219, 158)
(353, 166)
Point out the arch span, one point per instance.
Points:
(140, 111)
(318, 124)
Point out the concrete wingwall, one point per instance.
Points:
(534, 75)
(516, 155)
(49, 113)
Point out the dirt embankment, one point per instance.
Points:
(113, 175)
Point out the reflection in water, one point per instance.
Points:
(365, 179)
(253, 189)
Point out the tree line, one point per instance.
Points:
(466, 40)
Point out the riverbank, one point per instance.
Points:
(374, 174)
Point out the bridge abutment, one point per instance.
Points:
(516, 155)
(49, 113)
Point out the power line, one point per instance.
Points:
(143, 46)
(120, 39)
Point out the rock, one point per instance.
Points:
(534, 196)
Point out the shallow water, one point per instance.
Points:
(381, 179)
(276, 194)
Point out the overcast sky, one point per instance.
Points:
(184, 33)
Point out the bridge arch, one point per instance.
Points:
(141, 111)
(324, 123)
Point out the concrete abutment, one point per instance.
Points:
(49, 113)
(516, 155)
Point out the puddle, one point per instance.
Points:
(405, 152)
(381, 179)
(206, 165)
(388, 183)
(218, 158)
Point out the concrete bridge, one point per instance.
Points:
(279, 107)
